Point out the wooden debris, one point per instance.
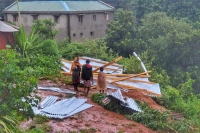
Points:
(130, 77)
(108, 64)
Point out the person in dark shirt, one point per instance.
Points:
(87, 76)
(75, 70)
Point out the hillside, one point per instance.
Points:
(98, 118)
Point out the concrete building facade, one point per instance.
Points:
(76, 20)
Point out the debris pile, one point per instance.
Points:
(115, 78)
(63, 108)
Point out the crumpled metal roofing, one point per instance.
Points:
(132, 105)
(56, 89)
(126, 102)
(64, 108)
(56, 6)
(117, 95)
(153, 89)
(111, 69)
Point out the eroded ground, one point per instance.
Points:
(98, 118)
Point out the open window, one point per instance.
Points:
(80, 18)
(94, 17)
(106, 15)
(92, 33)
(15, 18)
(56, 18)
(35, 16)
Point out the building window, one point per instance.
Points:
(106, 16)
(15, 18)
(74, 35)
(35, 17)
(94, 17)
(80, 19)
(56, 19)
(92, 33)
(81, 34)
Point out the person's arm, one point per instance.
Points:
(82, 72)
(91, 75)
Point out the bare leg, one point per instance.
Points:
(88, 89)
(74, 87)
(84, 90)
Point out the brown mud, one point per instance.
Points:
(96, 117)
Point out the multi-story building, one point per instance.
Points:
(75, 20)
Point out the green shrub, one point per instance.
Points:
(92, 48)
(41, 119)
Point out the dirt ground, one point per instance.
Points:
(104, 121)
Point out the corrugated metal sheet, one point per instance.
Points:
(86, 5)
(64, 108)
(117, 95)
(155, 88)
(77, 110)
(59, 6)
(6, 28)
(127, 102)
(67, 106)
(56, 89)
(117, 69)
(38, 6)
(111, 69)
(133, 105)
(48, 101)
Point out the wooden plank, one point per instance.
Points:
(99, 61)
(135, 88)
(129, 77)
(124, 75)
(108, 64)
(132, 80)
(114, 69)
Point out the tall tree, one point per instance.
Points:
(121, 32)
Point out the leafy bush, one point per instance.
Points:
(40, 119)
(113, 105)
(45, 28)
(153, 119)
(91, 48)
(15, 84)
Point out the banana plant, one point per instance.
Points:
(27, 45)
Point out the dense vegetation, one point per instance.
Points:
(165, 34)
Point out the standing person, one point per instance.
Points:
(75, 70)
(101, 81)
(87, 76)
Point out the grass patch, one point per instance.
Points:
(40, 119)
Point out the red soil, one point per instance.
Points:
(104, 121)
(137, 95)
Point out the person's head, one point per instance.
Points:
(101, 69)
(76, 59)
(87, 61)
